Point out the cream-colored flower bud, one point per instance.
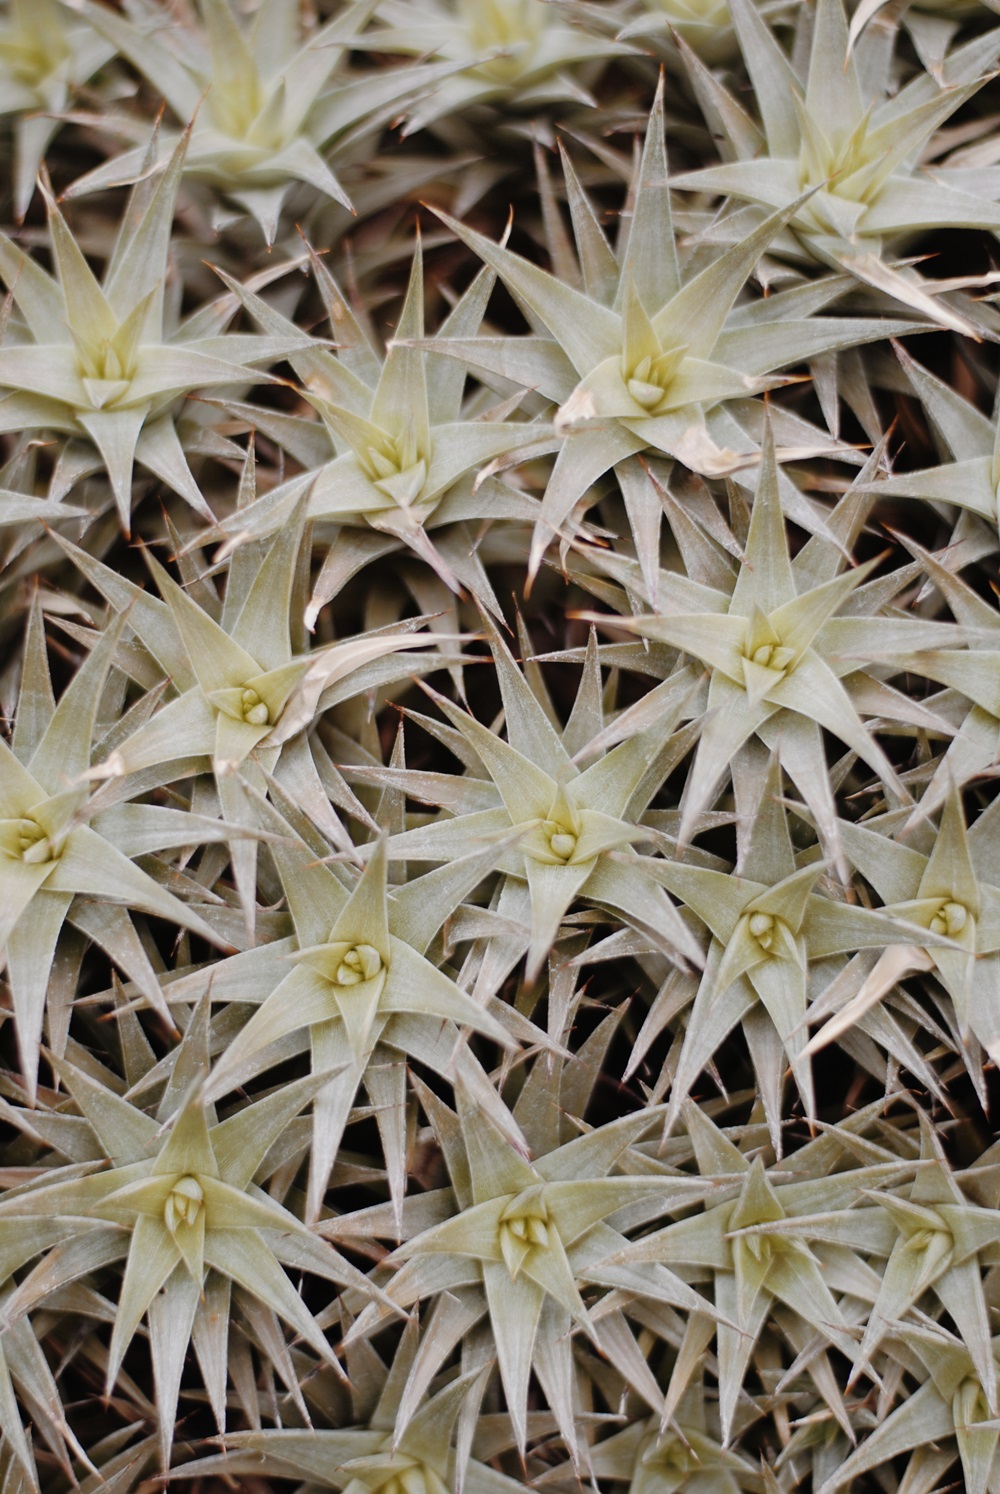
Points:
(361, 962)
(562, 842)
(36, 847)
(773, 656)
(762, 927)
(523, 1231)
(417, 1479)
(255, 712)
(184, 1204)
(950, 919)
(642, 387)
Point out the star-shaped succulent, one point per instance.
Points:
(949, 888)
(178, 1202)
(521, 1241)
(705, 26)
(829, 128)
(399, 452)
(643, 357)
(372, 1459)
(260, 96)
(521, 53)
(950, 1402)
(740, 1237)
(102, 362)
(67, 855)
(685, 1456)
(570, 821)
(45, 54)
(243, 697)
(769, 924)
(362, 993)
(936, 1244)
(786, 648)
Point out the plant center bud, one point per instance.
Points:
(34, 52)
(361, 962)
(642, 387)
(515, 25)
(398, 467)
(562, 842)
(255, 712)
(773, 656)
(950, 919)
(25, 840)
(184, 1204)
(670, 1455)
(970, 1405)
(524, 1229)
(417, 1479)
(762, 928)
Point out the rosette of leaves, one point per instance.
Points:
(571, 821)
(790, 647)
(522, 54)
(362, 994)
(770, 924)
(373, 1459)
(243, 699)
(948, 1403)
(399, 452)
(685, 1456)
(706, 26)
(835, 126)
(45, 54)
(66, 854)
(944, 882)
(517, 1240)
(936, 1244)
(639, 357)
(179, 1204)
(266, 99)
(742, 1236)
(102, 362)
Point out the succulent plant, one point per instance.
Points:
(420, 1461)
(99, 361)
(236, 708)
(521, 1242)
(402, 457)
(44, 56)
(778, 655)
(499, 937)
(829, 133)
(644, 358)
(520, 52)
(363, 988)
(570, 823)
(186, 1205)
(260, 99)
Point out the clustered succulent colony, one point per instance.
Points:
(499, 861)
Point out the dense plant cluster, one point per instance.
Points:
(499, 860)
